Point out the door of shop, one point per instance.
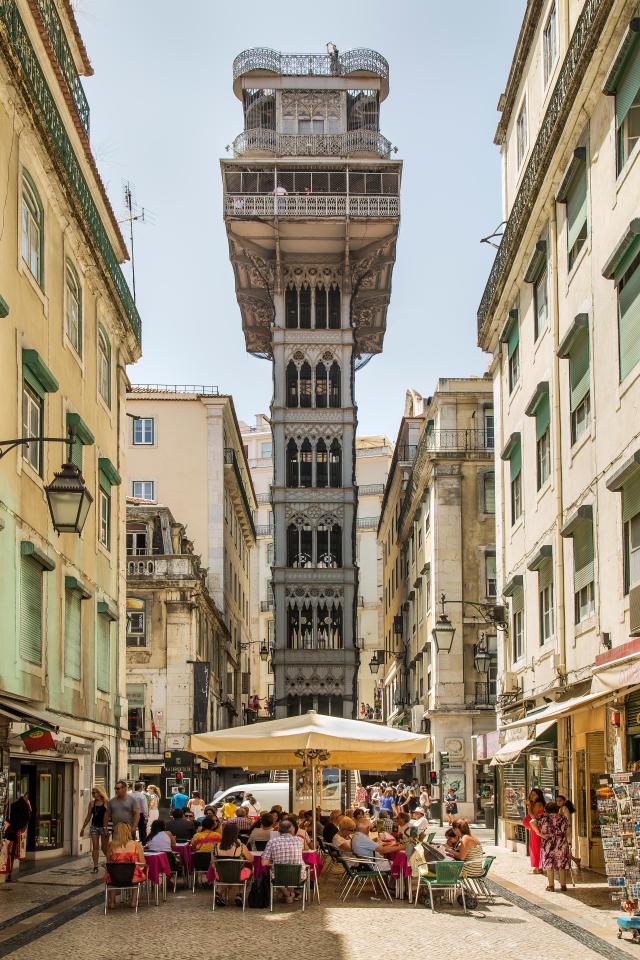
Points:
(43, 782)
(596, 764)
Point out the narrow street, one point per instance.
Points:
(60, 911)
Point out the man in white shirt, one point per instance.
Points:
(419, 820)
(253, 807)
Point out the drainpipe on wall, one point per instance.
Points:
(558, 552)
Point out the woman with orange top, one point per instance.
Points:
(124, 849)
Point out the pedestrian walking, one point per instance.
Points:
(554, 830)
(535, 806)
(140, 797)
(122, 808)
(96, 813)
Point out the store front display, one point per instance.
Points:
(44, 784)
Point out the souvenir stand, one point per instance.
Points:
(618, 799)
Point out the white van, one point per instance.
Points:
(267, 794)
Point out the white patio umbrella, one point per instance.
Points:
(311, 740)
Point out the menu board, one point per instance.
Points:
(618, 799)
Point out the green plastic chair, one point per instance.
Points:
(288, 875)
(228, 871)
(479, 884)
(358, 871)
(447, 877)
(431, 837)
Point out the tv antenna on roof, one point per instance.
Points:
(133, 214)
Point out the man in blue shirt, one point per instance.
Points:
(363, 847)
(179, 800)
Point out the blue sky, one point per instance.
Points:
(162, 112)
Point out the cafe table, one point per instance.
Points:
(400, 871)
(158, 869)
(186, 852)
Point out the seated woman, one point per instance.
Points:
(207, 836)
(469, 849)
(342, 839)
(124, 849)
(261, 832)
(230, 847)
(451, 843)
(161, 841)
(300, 831)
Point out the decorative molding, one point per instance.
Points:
(316, 513)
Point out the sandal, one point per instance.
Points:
(551, 889)
(220, 902)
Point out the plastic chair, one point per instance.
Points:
(120, 879)
(430, 837)
(258, 845)
(201, 864)
(228, 870)
(359, 872)
(288, 875)
(479, 885)
(447, 877)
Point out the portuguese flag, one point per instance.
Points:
(38, 739)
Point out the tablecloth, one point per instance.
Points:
(186, 852)
(399, 864)
(157, 864)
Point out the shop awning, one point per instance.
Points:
(510, 751)
(618, 675)
(554, 711)
(19, 712)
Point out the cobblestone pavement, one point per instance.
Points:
(56, 912)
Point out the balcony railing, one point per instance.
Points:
(263, 498)
(143, 745)
(35, 81)
(310, 205)
(312, 144)
(205, 391)
(265, 59)
(231, 460)
(264, 530)
(367, 523)
(266, 605)
(459, 441)
(582, 47)
(62, 52)
(406, 452)
(176, 567)
(370, 489)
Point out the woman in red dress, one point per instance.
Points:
(535, 806)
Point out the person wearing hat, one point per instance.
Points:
(252, 805)
(419, 820)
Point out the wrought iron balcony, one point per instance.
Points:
(313, 144)
(140, 744)
(263, 498)
(406, 452)
(62, 53)
(367, 523)
(34, 80)
(458, 441)
(264, 530)
(266, 605)
(202, 391)
(309, 205)
(370, 489)
(265, 59)
(582, 47)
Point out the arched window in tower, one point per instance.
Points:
(335, 627)
(322, 464)
(321, 307)
(334, 385)
(299, 545)
(291, 307)
(292, 384)
(335, 464)
(329, 545)
(304, 300)
(306, 463)
(321, 385)
(305, 385)
(293, 628)
(334, 308)
(306, 627)
(293, 464)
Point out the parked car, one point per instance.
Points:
(267, 794)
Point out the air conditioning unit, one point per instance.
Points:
(509, 683)
(634, 611)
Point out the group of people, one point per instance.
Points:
(549, 826)
(393, 798)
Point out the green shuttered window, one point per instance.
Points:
(579, 370)
(103, 654)
(30, 610)
(542, 415)
(72, 633)
(577, 214)
(628, 107)
(631, 498)
(515, 461)
(629, 319)
(582, 556)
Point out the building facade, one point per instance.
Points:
(258, 445)
(179, 651)
(205, 481)
(68, 328)
(559, 317)
(437, 534)
(311, 207)
(373, 458)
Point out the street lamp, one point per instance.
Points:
(67, 495)
(264, 651)
(482, 657)
(374, 663)
(443, 631)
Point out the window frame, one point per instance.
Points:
(33, 401)
(488, 557)
(31, 218)
(143, 441)
(104, 518)
(72, 278)
(540, 282)
(546, 613)
(549, 50)
(517, 625)
(543, 458)
(522, 132)
(104, 364)
(139, 496)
